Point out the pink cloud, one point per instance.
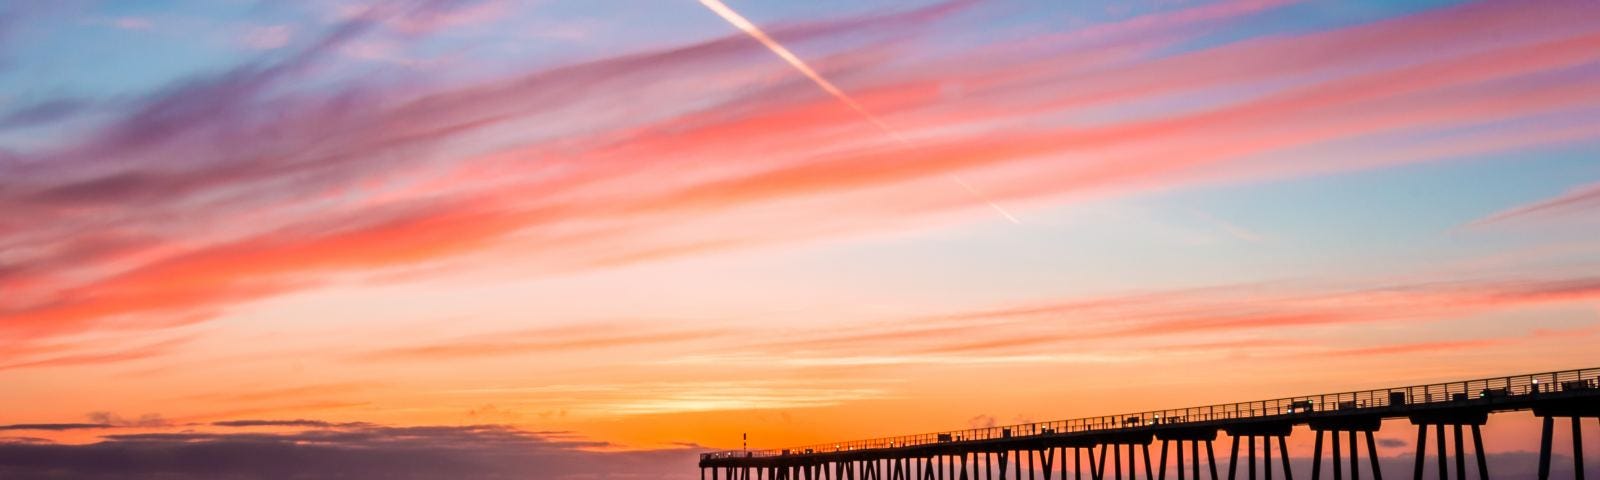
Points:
(309, 188)
(290, 255)
(268, 37)
(425, 17)
(1580, 199)
(133, 23)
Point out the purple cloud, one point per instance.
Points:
(41, 113)
(54, 427)
(366, 452)
(288, 423)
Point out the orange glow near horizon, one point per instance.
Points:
(641, 234)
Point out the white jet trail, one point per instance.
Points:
(754, 32)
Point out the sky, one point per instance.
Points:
(574, 239)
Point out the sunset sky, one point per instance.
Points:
(575, 236)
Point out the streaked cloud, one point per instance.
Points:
(543, 341)
(1142, 325)
(600, 201)
(268, 37)
(1581, 199)
(94, 354)
(665, 397)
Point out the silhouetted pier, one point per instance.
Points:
(1346, 420)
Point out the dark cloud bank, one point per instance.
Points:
(346, 451)
(358, 451)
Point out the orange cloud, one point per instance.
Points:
(1149, 322)
(540, 341)
(101, 355)
(1422, 347)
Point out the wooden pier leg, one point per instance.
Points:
(1577, 449)
(1477, 446)
(1338, 461)
(1544, 448)
(1316, 458)
(1233, 460)
(1163, 471)
(1283, 450)
(1372, 457)
(1212, 455)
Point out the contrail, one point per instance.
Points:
(750, 29)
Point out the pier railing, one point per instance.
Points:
(1415, 395)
